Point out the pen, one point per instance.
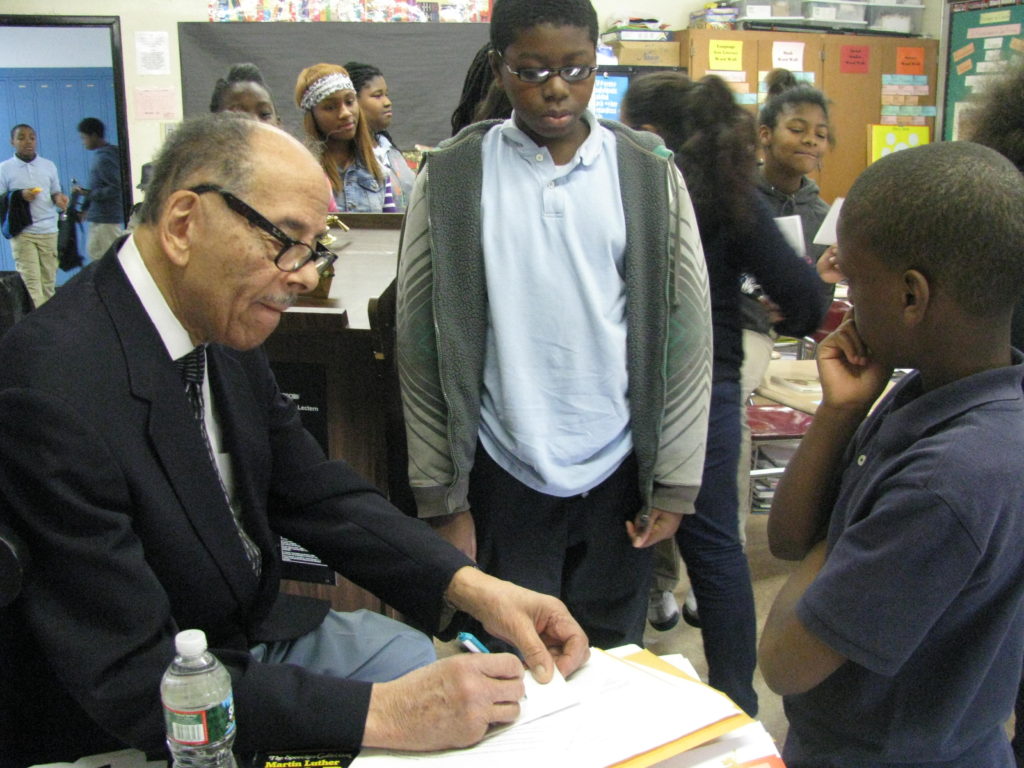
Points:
(471, 643)
(644, 520)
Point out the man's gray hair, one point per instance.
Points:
(214, 149)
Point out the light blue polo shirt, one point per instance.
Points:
(555, 409)
(17, 174)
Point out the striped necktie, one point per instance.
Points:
(192, 368)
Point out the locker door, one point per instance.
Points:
(6, 122)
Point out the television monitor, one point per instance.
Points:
(611, 83)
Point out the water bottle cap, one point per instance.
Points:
(190, 642)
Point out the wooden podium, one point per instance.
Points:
(323, 355)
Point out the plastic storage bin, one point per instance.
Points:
(894, 16)
(838, 11)
(769, 9)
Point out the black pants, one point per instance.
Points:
(575, 548)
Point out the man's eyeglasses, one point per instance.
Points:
(294, 254)
(536, 75)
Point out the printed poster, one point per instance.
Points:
(854, 59)
(787, 55)
(725, 54)
(909, 61)
(885, 139)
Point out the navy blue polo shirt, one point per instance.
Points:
(923, 586)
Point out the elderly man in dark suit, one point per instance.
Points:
(151, 495)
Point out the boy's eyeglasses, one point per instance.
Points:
(536, 76)
(294, 254)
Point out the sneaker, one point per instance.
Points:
(662, 610)
(690, 614)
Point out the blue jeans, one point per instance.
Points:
(715, 562)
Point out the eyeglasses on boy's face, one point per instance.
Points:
(537, 75)
(294, 254)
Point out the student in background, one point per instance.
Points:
(997, 121)
(713, 141)
(104, 204)
(375, 106)
(793, 134)
(554, 333)
(333, 121)
(482, 98)
(34, 180)
(898, 638)
(244, 90)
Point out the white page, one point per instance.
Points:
(541, 700)
(826, 234)
(622, 712)
(792, 228)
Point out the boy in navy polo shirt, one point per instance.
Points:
(898, 639)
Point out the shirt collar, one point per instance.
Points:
(172, 332)
(587, 153)
(910, 412)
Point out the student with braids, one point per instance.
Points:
(333, 120)
(375, 105)
(482, 98)
(713, 141)
(244, 90)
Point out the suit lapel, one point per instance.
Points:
(175, 437)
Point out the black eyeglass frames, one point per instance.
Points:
(537, 75)
(294, 254)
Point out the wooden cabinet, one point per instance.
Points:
(855, 96)
(328, 346)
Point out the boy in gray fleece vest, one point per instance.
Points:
(553, 333)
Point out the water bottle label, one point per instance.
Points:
(203, 726)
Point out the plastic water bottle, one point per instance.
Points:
(199, 709)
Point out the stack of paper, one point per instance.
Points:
(633, 711)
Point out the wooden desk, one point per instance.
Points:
(795, 383)
(323, 351)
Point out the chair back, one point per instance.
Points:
(382, 312)
(13, 564)
(15, 301)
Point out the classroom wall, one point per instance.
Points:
(149, 15)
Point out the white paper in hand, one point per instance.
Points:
(792, 228)
(826, 234)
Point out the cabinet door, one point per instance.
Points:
(856, 99)
(699, 45)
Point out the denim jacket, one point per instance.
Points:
(360, 191)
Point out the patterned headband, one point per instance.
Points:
(324, 87)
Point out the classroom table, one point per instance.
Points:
(795, 383)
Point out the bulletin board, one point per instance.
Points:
(982, 41)
(424, 65)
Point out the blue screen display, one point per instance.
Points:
(608, 93)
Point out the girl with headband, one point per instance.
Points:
(328, 100)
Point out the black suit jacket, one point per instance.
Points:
(103, 471)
